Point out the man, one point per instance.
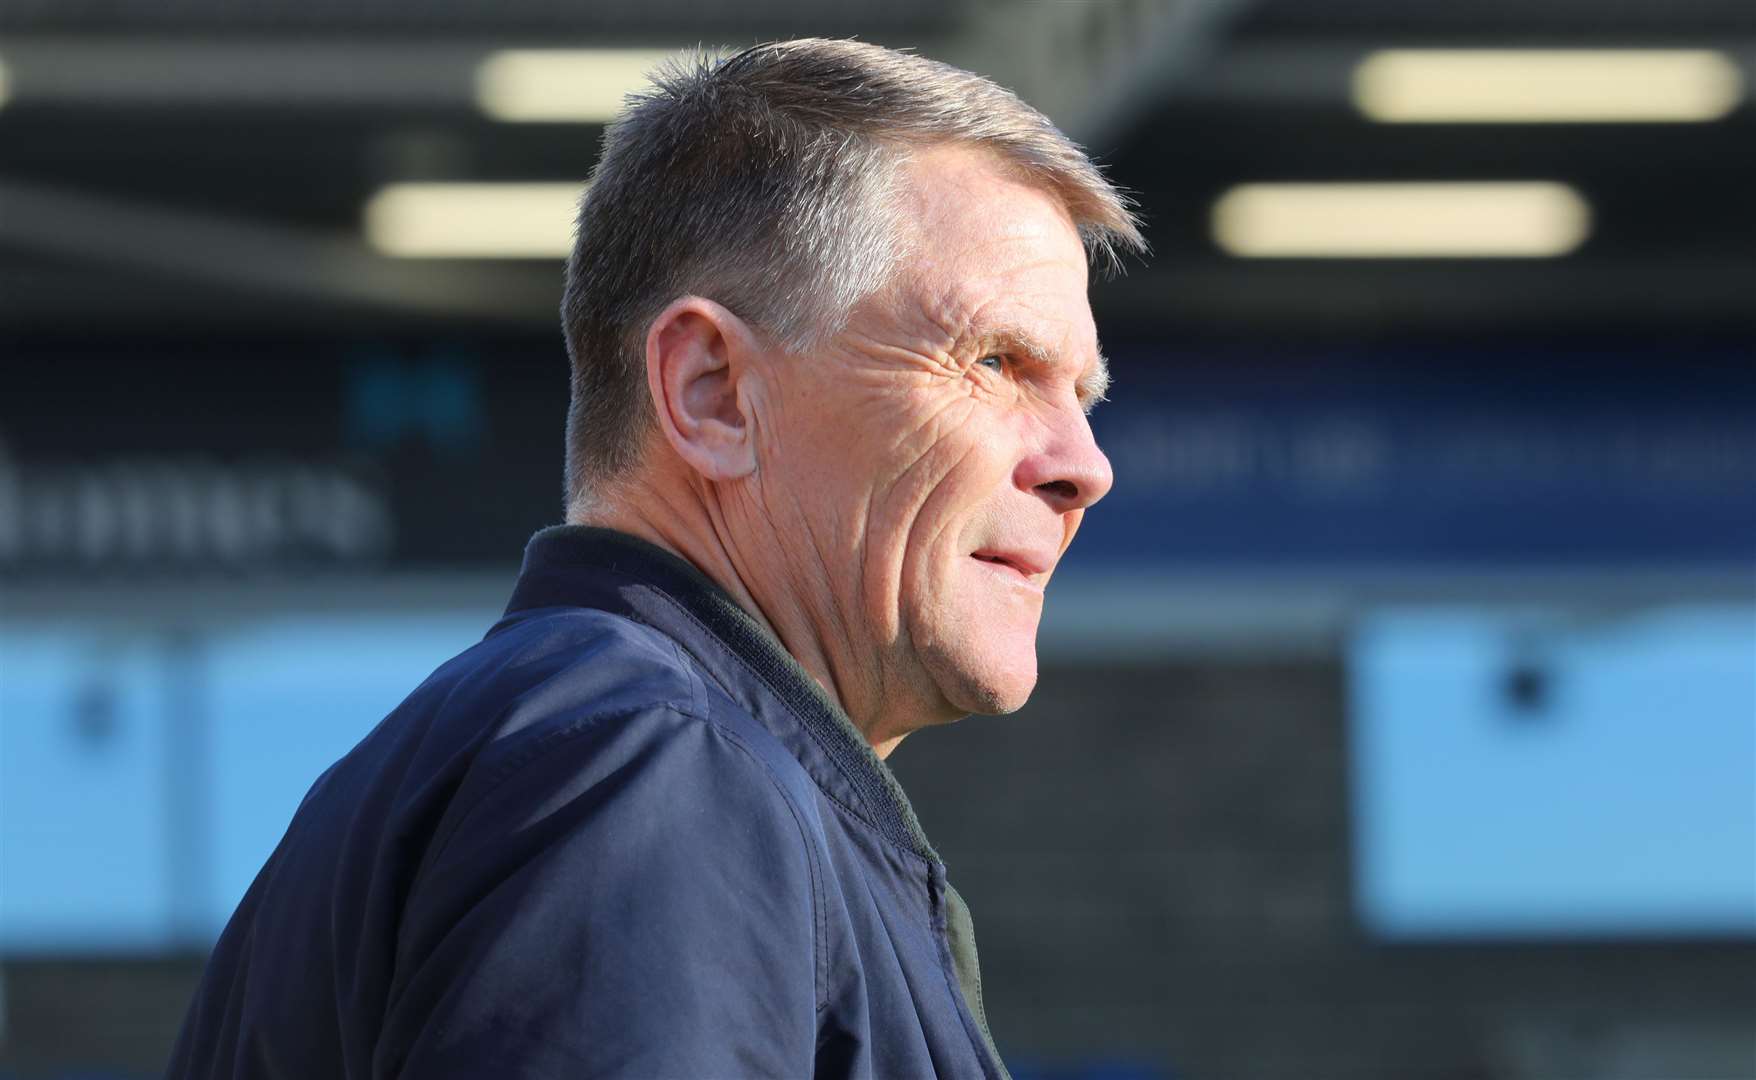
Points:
(832, 359)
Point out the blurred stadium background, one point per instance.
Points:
(1398, 716)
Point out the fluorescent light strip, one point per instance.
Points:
(562, 85)
(1531, 86)
(473, 221)
(1535, 219)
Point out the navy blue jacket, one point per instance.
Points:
(625, 835)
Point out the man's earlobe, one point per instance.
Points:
(696, 353)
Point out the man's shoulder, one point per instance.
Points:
(561, 660)
(571, 695)
(607, 732)
(606, 836)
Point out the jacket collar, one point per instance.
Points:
(582, 566)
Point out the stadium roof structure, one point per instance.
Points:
(207, 164)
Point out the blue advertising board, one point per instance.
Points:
(1427, 457)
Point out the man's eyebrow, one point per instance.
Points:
(1092, 385)
(1011, 341)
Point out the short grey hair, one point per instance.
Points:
(768, 181)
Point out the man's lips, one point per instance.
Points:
(1028, 564)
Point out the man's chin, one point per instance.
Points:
(999, 702)
(993, 688)
(981, 660)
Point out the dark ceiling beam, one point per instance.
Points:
(134, 73)
(1093, 68)
(234, 255)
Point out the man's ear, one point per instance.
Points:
(696, 354)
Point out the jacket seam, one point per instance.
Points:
(539, 746)
(697, 689)
(819, 950)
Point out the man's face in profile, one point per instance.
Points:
(938, 452)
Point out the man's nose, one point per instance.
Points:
(1068, 472)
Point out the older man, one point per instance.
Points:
(832, 360)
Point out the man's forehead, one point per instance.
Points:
(996, 261)
(968, 191)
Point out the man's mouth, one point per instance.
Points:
(1027, 566)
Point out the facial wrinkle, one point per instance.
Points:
(822, 610)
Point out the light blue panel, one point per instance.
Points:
(287, 698)
(1619, 800)
(84, 863)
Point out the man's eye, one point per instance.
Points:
(993, 363)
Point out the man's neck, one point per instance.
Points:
(687, 528)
